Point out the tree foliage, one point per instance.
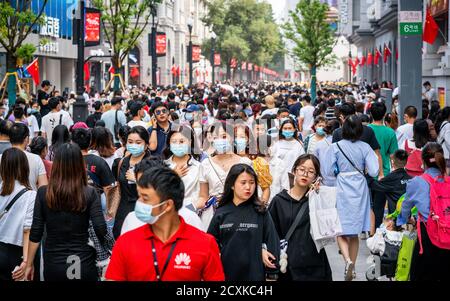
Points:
(123, 22)
(17, 21)
(245, 31)
(313, 37)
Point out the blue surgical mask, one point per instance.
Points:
(320, 132)
(135, 149)
(288, 134)
(144, 212)
(189, 116)
(241, 144)
(222, 146)
(179, 150)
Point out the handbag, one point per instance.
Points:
(113, 196)
(284, 242)
(405, 256)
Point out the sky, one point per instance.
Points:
(278, 6)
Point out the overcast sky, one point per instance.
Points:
(278, 6)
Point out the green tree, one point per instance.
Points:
(245, 31)
(123, 22)
(313, 37)
(17, 21)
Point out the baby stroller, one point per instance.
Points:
(384, 247)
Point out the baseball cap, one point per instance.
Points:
(80, 125)
(192, 108)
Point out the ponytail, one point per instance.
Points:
(433, 156)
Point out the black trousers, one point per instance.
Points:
(379, 202)
(433, 264)
(10, 257)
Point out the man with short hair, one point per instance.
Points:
(306, 118)
(171, 249)
(405, 131)
(19, 136)
(115, 118)
(137, 113)
(430, 93)
(54, 118)
(96, 116)
(42, 97)
(160, 128)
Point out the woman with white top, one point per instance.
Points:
(180, 154)
(288, 148)
(17, 196)
(102, 145)
(319, 134)
(214, 169)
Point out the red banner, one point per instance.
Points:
(92, 27)
(249, 66)
(217, 59)
(161, 40)
(196, 52)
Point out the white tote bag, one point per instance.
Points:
(324, 219)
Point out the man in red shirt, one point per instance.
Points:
(166, 248)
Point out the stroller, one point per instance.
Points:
(384, 247)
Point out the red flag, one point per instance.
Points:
(249, 66)
(350, 62)
(178, 71)
(134, 72)
(386, 53)
(369, 59)
(431, 29)
(244, 66)
(173, 70)
(111, 70)
(377, 57)
(363, 61)
(356, 62)
(233, 63)
(33, 70)
(87, 71)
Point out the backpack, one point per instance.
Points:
(414, 164)
(438, 224)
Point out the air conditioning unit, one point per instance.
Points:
(374, 11)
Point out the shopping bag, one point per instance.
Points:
(405, 256)
(324, 218)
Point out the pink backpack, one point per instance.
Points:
(414, 164)
(438, 224)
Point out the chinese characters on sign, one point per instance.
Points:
(410, 22)
(51, 47)
(216, 59)
(50, 27)
(92, 27)
(196, 52)
(161, 44)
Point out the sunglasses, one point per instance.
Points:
(159, 112)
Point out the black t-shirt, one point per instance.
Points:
(368, 136)
(98, 172)
(45, 109)
(92, 119)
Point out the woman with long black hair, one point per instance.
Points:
(64, 209)
(102, 145)
(242, 227)
(59, 137)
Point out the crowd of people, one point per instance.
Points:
(203, 182)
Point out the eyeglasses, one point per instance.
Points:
(306, 173)
(159, 112)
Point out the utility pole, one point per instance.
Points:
(80, 107)
(153, 47)
(190, 24)
(213, 42)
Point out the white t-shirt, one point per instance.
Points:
(190, 180)
(33, 126)
(273, 111)
(288, 152)
(52, 120)
(134, 123)
(109, 160)
(404, 132)
(308, 119)
(37, 168)
(191, 218)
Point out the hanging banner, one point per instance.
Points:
(161, 42)
(92, 27)
(217, 59)
(196, 52)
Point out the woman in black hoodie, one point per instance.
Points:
(304, 262)
(241, 226)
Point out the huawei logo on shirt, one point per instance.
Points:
(182, 261)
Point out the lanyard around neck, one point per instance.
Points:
(159, 274)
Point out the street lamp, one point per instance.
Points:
(153, 45)
(190, 24)
(213, 42)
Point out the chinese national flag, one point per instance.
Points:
(363, 61)
(431, 29)
(173, 70)
(386, 53)
(377, 57)
(33, 70)
(357, 61)
(111, 70)
(178, 71)
(369, 59)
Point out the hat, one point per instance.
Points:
(372, 95)
(192, 108)
(80, 125)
